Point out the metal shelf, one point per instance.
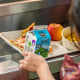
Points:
(29, 5)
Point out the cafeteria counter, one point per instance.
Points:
(55, 64)
(19, 16)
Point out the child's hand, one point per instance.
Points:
(33, 62)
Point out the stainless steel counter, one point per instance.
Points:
(18, 15)
(19, 7)
(29, 5)
(55, 64)
(8, 1)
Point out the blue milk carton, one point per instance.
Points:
(38, 42)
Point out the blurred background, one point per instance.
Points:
(18, 14)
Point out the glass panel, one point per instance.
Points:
(7, 65)
(5, 58)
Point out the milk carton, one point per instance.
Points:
(38, 42)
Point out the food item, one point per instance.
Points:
(38, 41)
(55, 31)
(73, 37)
(50, 49)
(21, 40)
(28, 29)
(70, 70)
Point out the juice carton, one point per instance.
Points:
(38, 42)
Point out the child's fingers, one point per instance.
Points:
(21, 61)
(25, 53)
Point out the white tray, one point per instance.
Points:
(57, 48)
(11, 35)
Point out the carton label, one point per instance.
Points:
(38, 41)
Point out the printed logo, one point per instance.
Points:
(29, 43)
(33, 43)
(42, 34)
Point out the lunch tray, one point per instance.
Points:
(58, 49)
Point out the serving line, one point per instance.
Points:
(55, 45)
(54, 62)
(54, 65)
